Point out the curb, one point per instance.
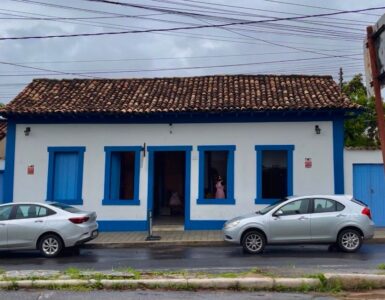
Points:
(263, 283)
(356, 281)
(152, 244)
(113, 245)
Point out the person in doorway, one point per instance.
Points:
(220, 189)
(175, 203)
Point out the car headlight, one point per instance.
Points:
(232, 224)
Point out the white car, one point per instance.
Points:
(48, 227)
(337, 220)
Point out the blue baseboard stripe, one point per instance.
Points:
(114, 226)
(204, 225)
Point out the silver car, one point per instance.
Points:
(338, 220)
(47, 227)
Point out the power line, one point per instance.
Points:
(312, 6)
(43, 69)
(344, 35)
(168, 58)
(186, 27)
(159, 69)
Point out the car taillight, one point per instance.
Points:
(79, 220)
(366, 211)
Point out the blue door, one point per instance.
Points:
(369, 187)
(66, 176)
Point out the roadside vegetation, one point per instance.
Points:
(254, 279)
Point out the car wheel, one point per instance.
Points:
(349, 240)
(253, 242)
(50, 245)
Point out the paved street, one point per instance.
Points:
(283, 260)
(159, 295)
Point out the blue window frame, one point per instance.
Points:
(282, 156)
(65, 174)
(121, 180)
(216, 178)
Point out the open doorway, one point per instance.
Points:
(169, 187)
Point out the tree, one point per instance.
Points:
(361, 131)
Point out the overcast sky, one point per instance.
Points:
(307, 46)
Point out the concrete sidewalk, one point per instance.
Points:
(194, 237)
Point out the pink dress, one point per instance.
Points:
(220, 193)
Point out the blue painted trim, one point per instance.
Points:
(107, 175)
(338, 155)
(118, 225)
(150, 186)
(290, 170)
(217, 148)
(230, 175)
(67, 149)
(265, 201)
(51, 166)
(275, 147)
(194, 117)
(214, 201)
(9, 162)
(169, 148)
(205, 225)
(2, 188)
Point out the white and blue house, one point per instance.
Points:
(193, 151)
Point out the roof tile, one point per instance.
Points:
(179, 94)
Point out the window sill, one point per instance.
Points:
(67, 201)
(216, 201)
(266, 200)
(121, 202)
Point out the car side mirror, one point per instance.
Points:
(278, 213)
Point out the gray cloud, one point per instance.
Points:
(204, 42)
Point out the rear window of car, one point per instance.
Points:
(66, 207)
(359, 202)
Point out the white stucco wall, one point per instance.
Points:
(32, 150)
(358, 157)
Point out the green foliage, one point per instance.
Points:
(73, 273)
(362, 130)
(381, 266)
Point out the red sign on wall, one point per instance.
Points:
(308, 162)
(31, 170)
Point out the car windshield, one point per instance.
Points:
(66, 207)
(270, 207)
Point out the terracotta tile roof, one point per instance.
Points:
(3, 129)
(218, 93)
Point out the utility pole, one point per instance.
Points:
(377, 90)
(341, 79)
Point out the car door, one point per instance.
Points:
(327, 217)
(26, 225)
(291, 223)
(5, 214)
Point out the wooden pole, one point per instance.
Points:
(377, 90)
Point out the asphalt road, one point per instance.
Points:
(281, 260)
(159, 295)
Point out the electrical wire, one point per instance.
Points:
(182, 28)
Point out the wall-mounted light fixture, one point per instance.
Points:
(317, 129)
(27, 131)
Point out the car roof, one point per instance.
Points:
(344, 197)
(26, 202)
